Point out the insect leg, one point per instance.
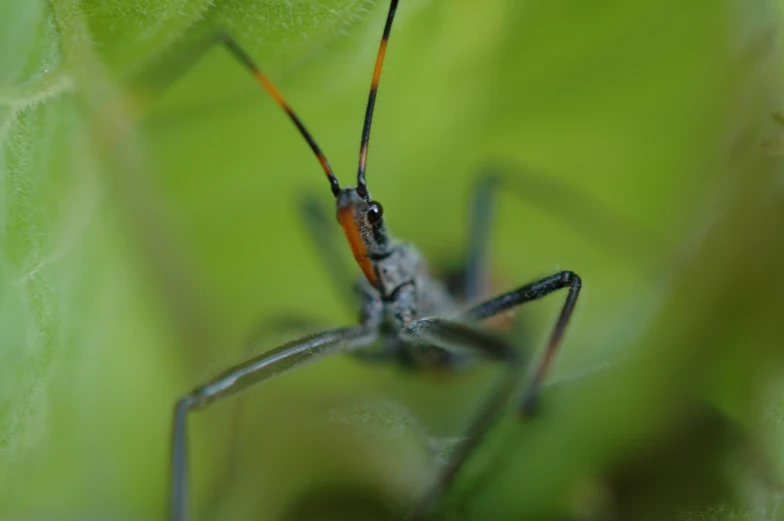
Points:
(459, 337)
(267, 365)
(455, 336)
(488, 413)
(478, 245)
(267, 329)
(579, 210)
(527, 293)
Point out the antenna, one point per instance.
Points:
(273, 91)
(382, 50)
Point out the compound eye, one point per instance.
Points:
(375, 212)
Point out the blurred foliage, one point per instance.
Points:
(132, 269)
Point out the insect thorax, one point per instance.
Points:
(406, 291)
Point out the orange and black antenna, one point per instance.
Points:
(262, 79)
(361, 186)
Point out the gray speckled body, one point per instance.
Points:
(406, 292)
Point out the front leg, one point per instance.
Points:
(444, 333)
(238, 378)
(527, 293)
(268, 328)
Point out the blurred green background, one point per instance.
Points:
(133, 269)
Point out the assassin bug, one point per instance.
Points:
(411, 317)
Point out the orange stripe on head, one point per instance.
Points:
(358, 248)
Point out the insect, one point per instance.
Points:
(405, 315)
